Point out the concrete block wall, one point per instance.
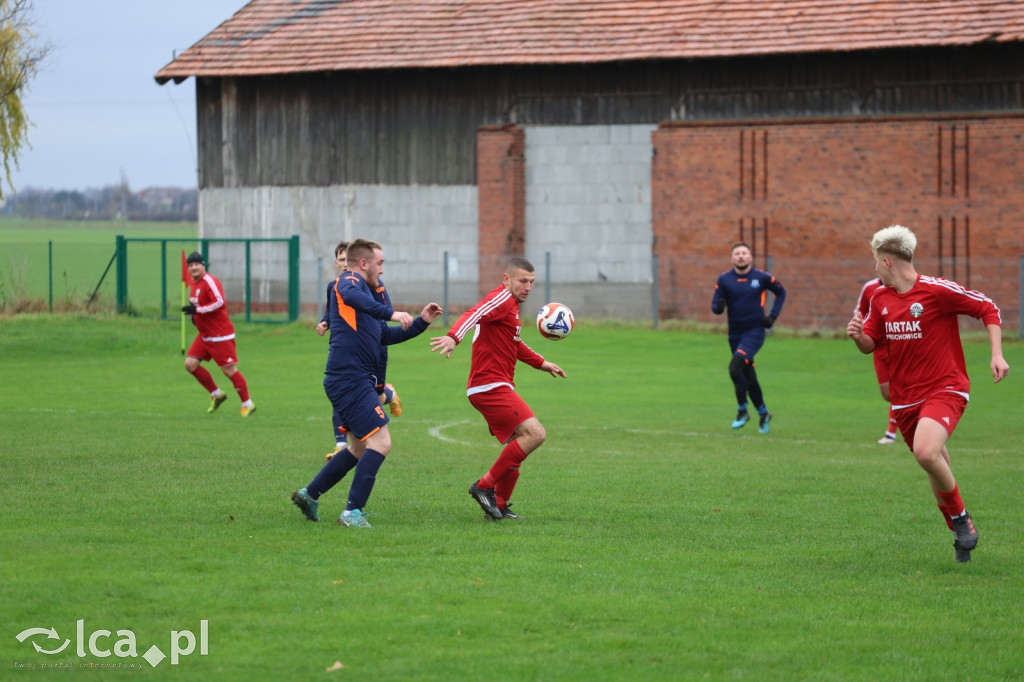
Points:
(588, 201)
(416, 225)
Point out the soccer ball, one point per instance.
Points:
(554, 321)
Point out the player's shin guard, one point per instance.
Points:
(950, 504)
(753, 386)
(364, 478)
(331, 473)
(739, 378)
(504, 486)
(511, 456)
(243, 389)
(203, 377)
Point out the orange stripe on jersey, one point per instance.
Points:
(346, 311)
(764, 297)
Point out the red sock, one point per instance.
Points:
(204, 378)
(945, 516)
(511, 456)
(243, 389)
(504, 486)
(950, 504)
(894, 426)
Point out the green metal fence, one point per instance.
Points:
(260, 276)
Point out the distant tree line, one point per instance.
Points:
(106, 203)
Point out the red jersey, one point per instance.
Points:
(211, 317)
(864, 302)
(922, 332)
(496, 342)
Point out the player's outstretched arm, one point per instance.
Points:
(443, 345)
(402, 318)
(855, 330)
(553, 369)
(1000, 368)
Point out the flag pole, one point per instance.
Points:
(184, 297)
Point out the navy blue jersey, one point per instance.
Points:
(389, 334)
(744, 297)
(357, 322)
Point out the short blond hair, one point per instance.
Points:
(895, 240)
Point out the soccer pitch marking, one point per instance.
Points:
(437, 431)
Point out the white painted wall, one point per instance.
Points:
(415, 224)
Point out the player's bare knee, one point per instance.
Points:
(927, 457)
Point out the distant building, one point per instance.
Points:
(610, 133)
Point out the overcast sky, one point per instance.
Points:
(95, 108)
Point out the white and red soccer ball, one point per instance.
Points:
(555, 321)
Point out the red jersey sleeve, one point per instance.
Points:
(529, 355)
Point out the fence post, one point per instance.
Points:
(50, 251)
(654, 293)
(445, 300)
(293, 278)
(163, 279)
(248, 281)
(547, 277)
(121, 254)
(319, 284)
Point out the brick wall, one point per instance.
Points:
(501, 187)
(809, 195)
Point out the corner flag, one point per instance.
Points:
(184, 296)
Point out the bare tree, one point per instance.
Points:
(20, 56)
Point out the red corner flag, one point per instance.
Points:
(184, 269)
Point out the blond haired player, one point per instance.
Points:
(916, 317)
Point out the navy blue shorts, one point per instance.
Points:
(357, 406)
(747, 344)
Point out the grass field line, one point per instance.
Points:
(437, 431)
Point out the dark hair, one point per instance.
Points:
(519, 263)
(360, 248)
(737, 244)
(342, 246)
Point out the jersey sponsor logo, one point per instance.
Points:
(903, 330)
(916, 309)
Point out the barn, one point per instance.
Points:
(620, 145)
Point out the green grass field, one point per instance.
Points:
(655, 543)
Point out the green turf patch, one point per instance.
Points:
(656, 543)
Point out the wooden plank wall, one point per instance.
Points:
(419, 126)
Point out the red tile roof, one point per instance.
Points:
(291, 36)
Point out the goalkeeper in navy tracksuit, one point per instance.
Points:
(358, 329)
(742, 291)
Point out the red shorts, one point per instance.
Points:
(221, 352)
(881, 357)
(503, 410)
(945, 408)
